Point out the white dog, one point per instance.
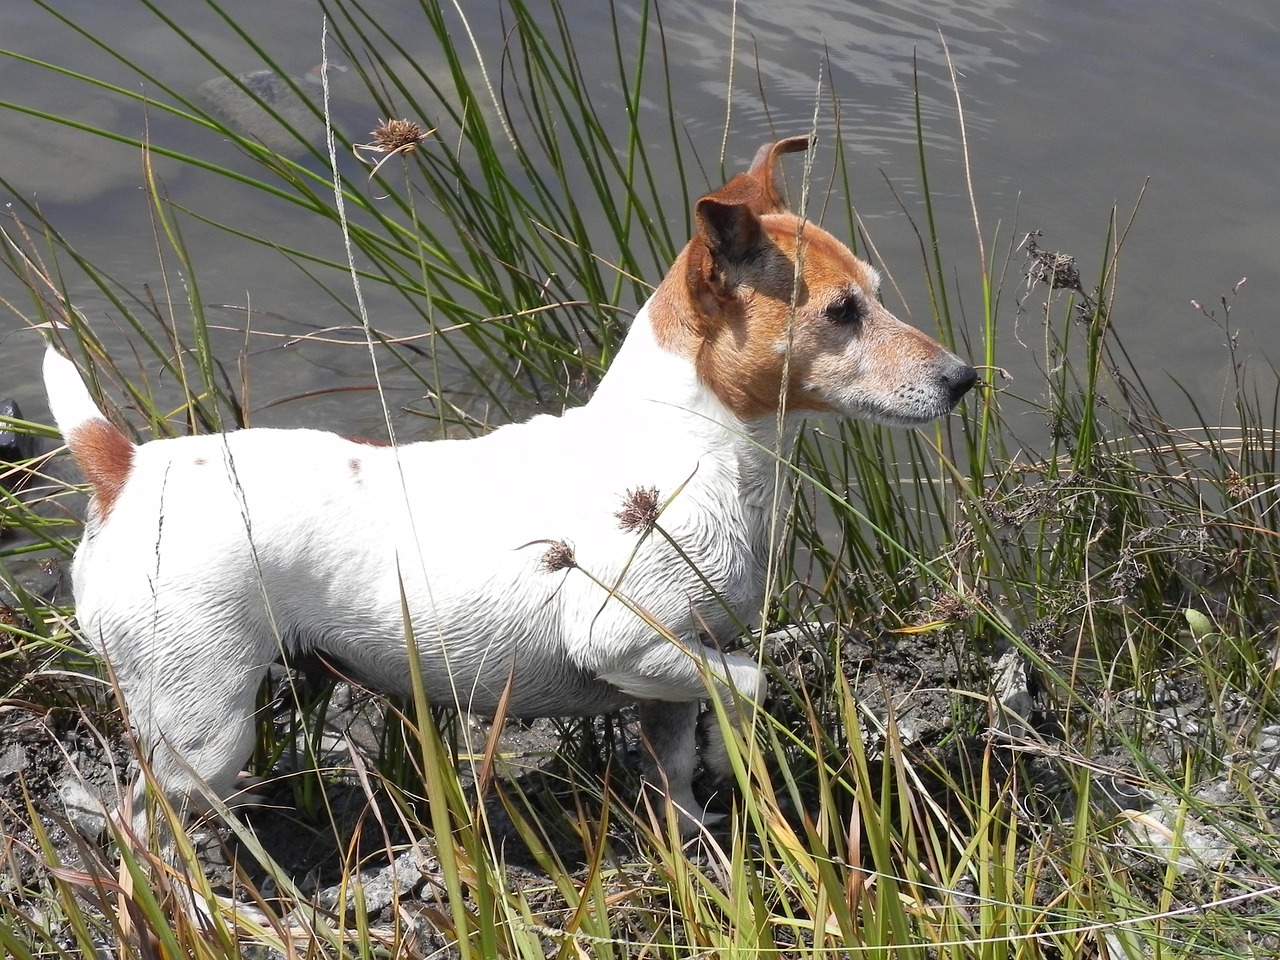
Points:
(576, 560)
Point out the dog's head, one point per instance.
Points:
(774, 311)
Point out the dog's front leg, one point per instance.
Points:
(669, 681)
(669, 737)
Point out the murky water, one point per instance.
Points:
(1071, 108)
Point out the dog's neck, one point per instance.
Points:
(649, 384)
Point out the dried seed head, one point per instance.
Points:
(640, 509)
(397, 136)
(9, 639)
(559, 556)
(951, 608)
(1058, 270)
(1236, 486)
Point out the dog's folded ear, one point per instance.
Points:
(728, 220)
(763, 170)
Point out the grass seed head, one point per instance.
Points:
(390, 138)
(640, 509)
(396, 136)
(559, 556)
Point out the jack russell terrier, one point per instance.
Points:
(571, 564)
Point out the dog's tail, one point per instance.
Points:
(100, 449)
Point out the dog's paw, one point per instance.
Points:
(246, 793)
(692, 818)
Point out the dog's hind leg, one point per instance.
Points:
(195, 717)
(672, 672)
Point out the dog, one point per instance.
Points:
(569, 565)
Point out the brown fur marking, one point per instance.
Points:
(105, 456)
(736, 331)
(734, 305)
(771, 201)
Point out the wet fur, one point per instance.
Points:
(204, 557)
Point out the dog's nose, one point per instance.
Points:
(958, 377)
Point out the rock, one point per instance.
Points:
(379, 887)
(38, 578)
(85, 810)
(1125, 944)
(1218, 793)
(49, 161)
(1013, 693)
(808, 632)
(1194, 847)
(13, 760)
(14, 446)
(246, 107)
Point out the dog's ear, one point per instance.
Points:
(727, 222)
(728, 232)
(763, 170)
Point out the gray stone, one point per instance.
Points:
(84, 808)
(1219, 793)
(1193, 848)
(379, 887)
(49, 162)
(246, 104)
(806, 632)
(1126, 944)
(14, 446)
(13, 760)
(1013, 694)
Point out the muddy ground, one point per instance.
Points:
(64, 752)
(66, 761)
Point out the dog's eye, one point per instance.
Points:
(846, 311)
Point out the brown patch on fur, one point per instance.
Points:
(737, 330)
(776, 312)
(199, 461)
(762, 168)
(640, 509)
(105, 455)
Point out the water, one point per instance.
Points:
(1071, 108)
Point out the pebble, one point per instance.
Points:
(84, 808)
(13, 760)
(380, 888)
(1199, 847)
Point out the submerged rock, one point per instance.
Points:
(14, 446)
(55, 163)
(246, 104)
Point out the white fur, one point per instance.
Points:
(210, 555)
(171, 587)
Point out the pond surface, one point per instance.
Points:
(1071, 109)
